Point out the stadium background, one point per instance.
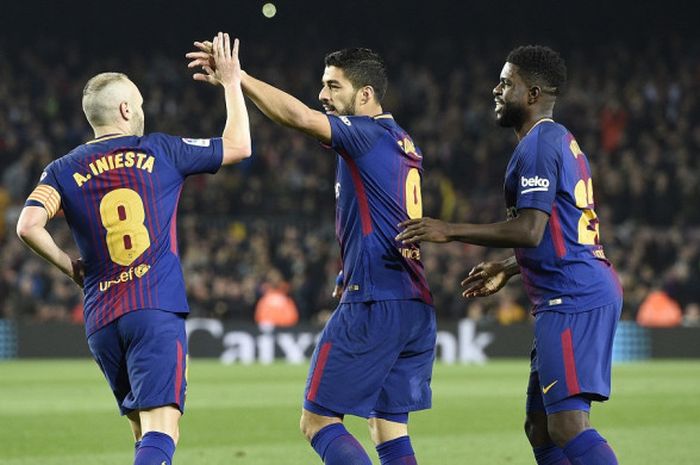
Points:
(633, 102)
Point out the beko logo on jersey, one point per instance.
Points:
(536, 184)
(126, 276)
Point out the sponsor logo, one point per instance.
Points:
(410, 253)
(535, 184)
(337, 190)
(545, 389)
(197, 142)
(554, 302)
(345, 120)
(43, 175)
(135, 272)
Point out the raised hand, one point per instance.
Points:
(485, 279)
(424, 229)
(218, 60)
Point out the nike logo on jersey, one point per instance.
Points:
(545, 389)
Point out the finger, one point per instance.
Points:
(197, 55)
(403, 224)
(215, 46)
(472, 278)
(205, 46)
(414, 239)
(236, 45)
(227, 45)
(220, 45)
(198, 62)
(209, 71)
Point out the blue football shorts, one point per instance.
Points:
(571, 359)
(143, 355)
(373, 357)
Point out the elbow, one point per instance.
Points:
(236, 153)
(532, 238)
(24, 231)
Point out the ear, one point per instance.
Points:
(366, 94)
(533, 95)
(125, 111)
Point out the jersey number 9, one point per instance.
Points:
(414, 201)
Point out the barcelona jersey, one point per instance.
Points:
(378, 185)
(120, 195)
(568, 270)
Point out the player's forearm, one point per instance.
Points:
(40, 241)
(276, 104)
(504, 234)
(236, 135)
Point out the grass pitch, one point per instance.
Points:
(62, 412)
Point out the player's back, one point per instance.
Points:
(378, 185)
(119, 195)
(568, 271)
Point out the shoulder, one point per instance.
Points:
(355, 122)
(545, 138)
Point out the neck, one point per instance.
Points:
(370, 110)
(101, 131)
(531, 122)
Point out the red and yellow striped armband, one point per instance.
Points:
(47, 197)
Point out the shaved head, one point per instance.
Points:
(111, 99)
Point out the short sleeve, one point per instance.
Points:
(537, 175)
(47, 193)
(193, 156)
(354, 135)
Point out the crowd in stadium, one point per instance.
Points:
(635, 113)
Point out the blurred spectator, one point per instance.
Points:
(275, 307)
(659, 310)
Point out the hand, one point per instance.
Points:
(424, 229)
(78, 271)
(339, 286)
(485, 279)
(218, 60)
(337, 291)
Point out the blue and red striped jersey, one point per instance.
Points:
(568, 271)
(378, 185)
(120, 195)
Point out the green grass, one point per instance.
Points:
(61, 412)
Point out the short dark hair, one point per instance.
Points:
(540, 65)
(363, 67)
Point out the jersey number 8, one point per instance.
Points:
(123, 217)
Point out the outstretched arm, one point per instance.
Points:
(525, 230)
(224, 69)
(31, 229)
(276, 104)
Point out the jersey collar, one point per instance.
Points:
(106, 137)
(550, 120)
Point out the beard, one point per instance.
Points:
(347, 109)
(512, 115)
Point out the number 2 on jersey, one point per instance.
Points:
(414, 201)
(123, 217)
